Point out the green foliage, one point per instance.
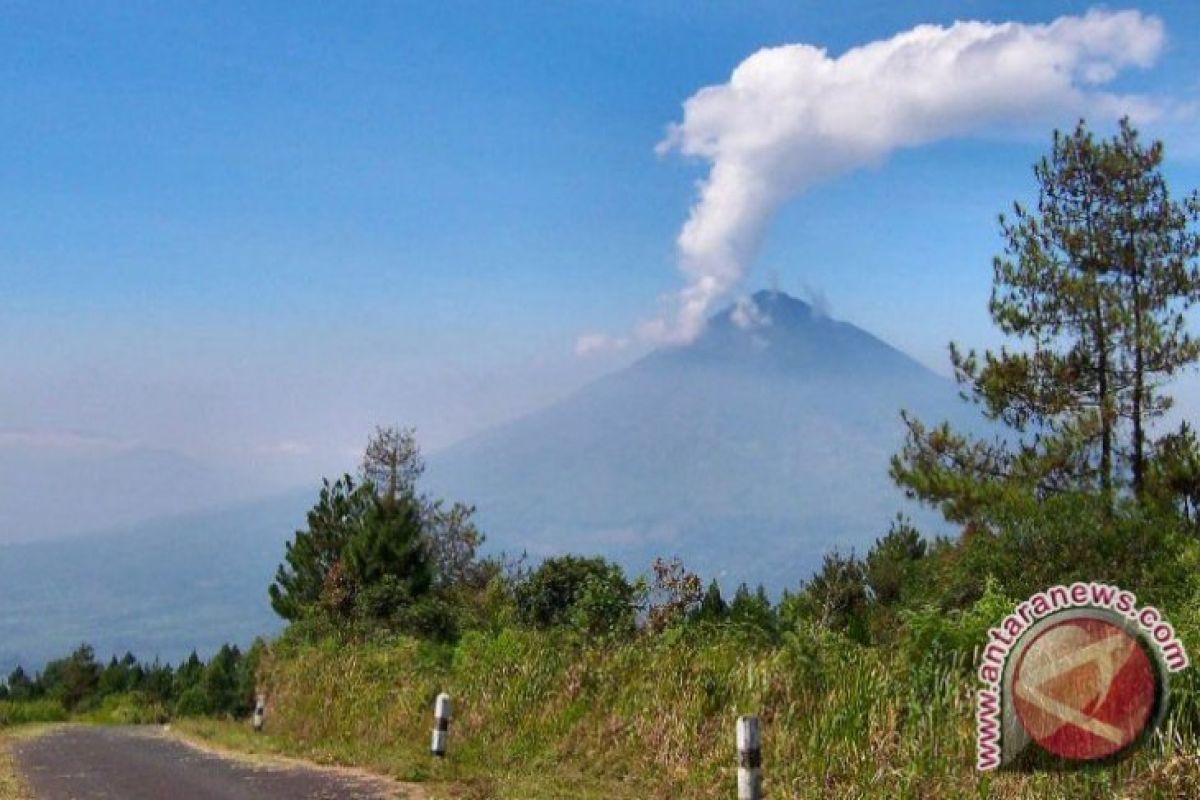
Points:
(220, 682)
(1073, 537)
(72, 680)
(189, 674)
(753, 610)
(954, 635)
(838, 713)
(26, 711)
(1093, 287)
(713, 607)
(128, 708)
(549, 595)
(20, 686)
(310, 576)
(386, 556)
(606, 605)
(836, 597)
(128, 692)
(121, 676)
(1173, 480)
(193, 703)
(246, 678)
(374, 552)
(158, 683)
(431, 617)
(892, 562)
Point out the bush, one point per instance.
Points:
(128, 708)
(605, 606)
(549, 595)
(431, 617)
(1074, 537)
(192, 703)
(930, 632)
(21, 712)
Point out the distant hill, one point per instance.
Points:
(159, 588)
(749, 452)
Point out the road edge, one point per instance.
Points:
(402, 789)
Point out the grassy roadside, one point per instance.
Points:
(12, 785)
(540, 717)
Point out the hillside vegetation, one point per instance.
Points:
(547, 714)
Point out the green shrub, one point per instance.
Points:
(20, 712)
(128, 708)
(193, 703)
(549, 595)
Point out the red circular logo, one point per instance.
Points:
(1085, 688)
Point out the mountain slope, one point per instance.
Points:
(749, 452)
(160, 588)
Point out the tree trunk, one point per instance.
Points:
(1103, 391)
(1139, 384)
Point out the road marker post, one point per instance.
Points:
(441, 725)
(749, 746)
(260, 712)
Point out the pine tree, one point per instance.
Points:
(74, 679)
(314, 566)
(159, 683)
(387, 559)
(188, 675)
(752, 608)
(890, 563)
(392, 463)
(20, 685)
(713, 607)
(1092, 286)
(220, 681)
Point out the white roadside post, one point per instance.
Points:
(749, 745)
(441, 725)
(260, 711)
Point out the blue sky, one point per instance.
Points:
(250, 233)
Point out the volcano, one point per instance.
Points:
(749, 452)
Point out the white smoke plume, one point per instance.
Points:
(746, 314)
(793, 116)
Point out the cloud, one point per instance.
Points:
(792, 116)
(591, 344)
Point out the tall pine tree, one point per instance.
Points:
(1092, 287)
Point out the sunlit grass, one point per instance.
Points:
(545, 715)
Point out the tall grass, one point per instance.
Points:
(548, 715)
(21, 712)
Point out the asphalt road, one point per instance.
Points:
(90, 763)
